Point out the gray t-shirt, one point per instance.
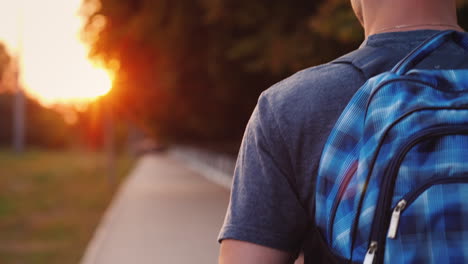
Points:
(272, 200)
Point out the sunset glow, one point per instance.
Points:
(54, 63)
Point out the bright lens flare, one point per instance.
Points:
(95, 82)
(54, 63)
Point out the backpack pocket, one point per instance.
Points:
(430, 224)
(432, 159)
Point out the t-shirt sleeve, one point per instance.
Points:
(264, 208)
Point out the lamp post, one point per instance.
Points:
(19, 100)
(109, 142)
(18, 113)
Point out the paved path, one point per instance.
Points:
(163, 213)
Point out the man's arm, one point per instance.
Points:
(264, 210)
(235, 251)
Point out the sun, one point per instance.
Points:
(55, 67)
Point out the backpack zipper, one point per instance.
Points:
(393, 228)
(355, 223)
(388, 183)
(410, 197)
(370, 255)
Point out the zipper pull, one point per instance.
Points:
(392, 230)
(370, 255)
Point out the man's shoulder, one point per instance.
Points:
(313, 89)
(328, 87)
(312, 79)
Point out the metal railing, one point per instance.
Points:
(217, 167)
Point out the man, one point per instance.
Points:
(271, 214)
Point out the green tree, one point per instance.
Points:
(45, 127)
(194, 68)
(463, 13)
(4, 60)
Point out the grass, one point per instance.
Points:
(51, 203)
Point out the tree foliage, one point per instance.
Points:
(194, 68)
(44, 127)
(4, 60)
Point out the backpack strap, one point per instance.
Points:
(426, 48)
(369, 60)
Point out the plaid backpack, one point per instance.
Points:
(392, 185)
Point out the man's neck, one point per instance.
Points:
(411, 27)
(404, 15)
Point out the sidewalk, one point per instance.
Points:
(163, 213)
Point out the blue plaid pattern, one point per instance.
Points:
(388, 114)
(433, 229)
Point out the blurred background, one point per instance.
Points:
(87, 86)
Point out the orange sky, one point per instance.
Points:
(54, 62)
